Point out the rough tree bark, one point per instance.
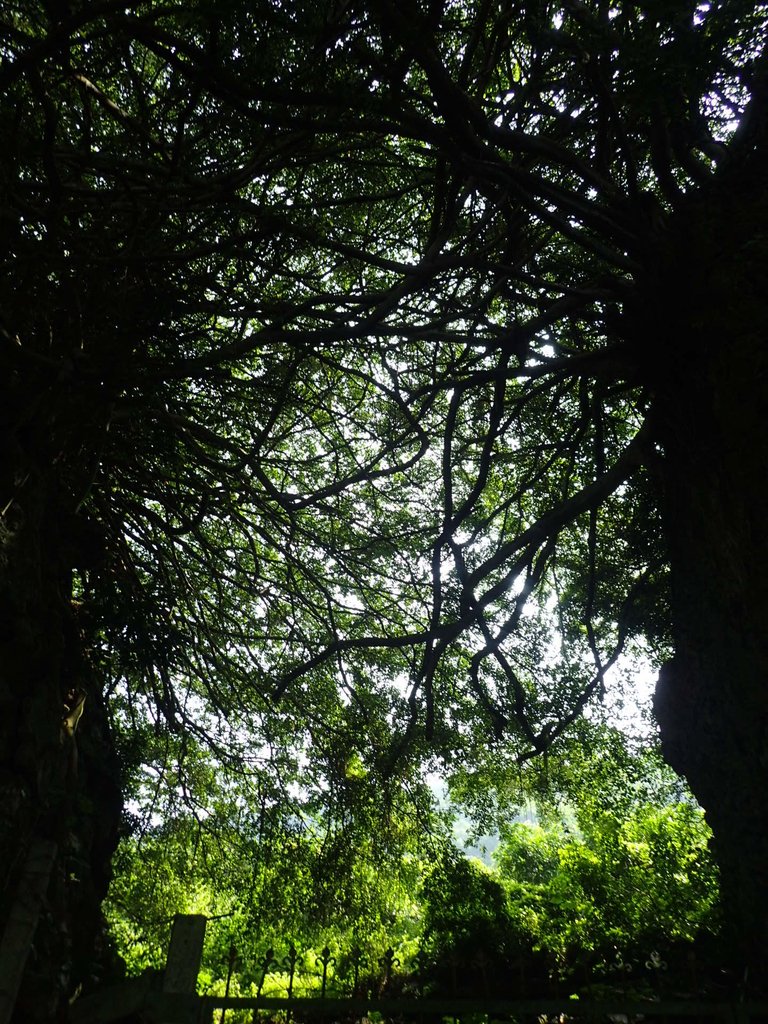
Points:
(712, 698)
(56, 788)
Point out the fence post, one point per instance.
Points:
(185, 952)
(177, 1001)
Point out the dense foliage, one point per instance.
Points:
(609, 874)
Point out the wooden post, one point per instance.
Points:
(22, 921)
(184, 953)
(175, 1003)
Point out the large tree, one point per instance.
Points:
(339, 338)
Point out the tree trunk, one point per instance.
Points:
(712, 407)
(58, 779)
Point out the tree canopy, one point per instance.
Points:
(373, 375)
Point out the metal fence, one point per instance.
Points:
(184, 1009)
(356, 990)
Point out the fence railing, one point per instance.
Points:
(171, 997)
